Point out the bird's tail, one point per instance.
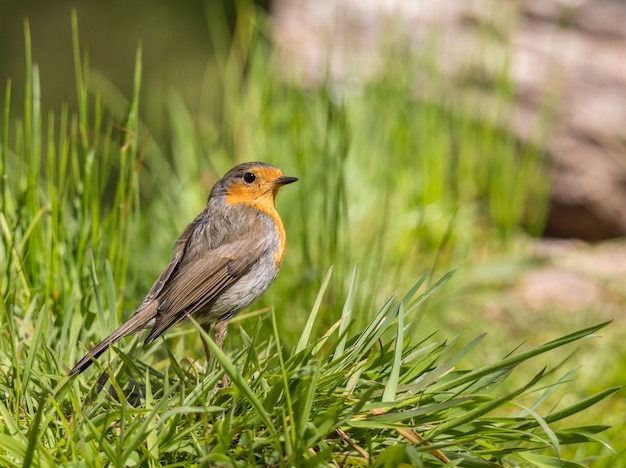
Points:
(138, 321)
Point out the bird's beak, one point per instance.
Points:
(284, 180)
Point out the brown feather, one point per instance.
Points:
(136, 322)
(196, 286)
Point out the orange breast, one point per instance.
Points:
(282, 239)
(266, 205)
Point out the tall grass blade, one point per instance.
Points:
(580, 405)
(308, 327)
(33, 437)
(554, 440)
(35, 346)
(432, 376)
(431, 290)
(544, 461)
(346, 314)
(391, 386)
(481, 410)
(519, 358)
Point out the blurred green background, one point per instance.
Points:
(177, 47)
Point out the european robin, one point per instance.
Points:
(225, 260)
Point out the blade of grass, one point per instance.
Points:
(409, 295)
(429, 377)
(346, 314)
(366, 334)
(33, 436)
(554, 440)
(290, 428)
(308, 327)
(35, 345)
(577, 407)
(431, 290)
(544, 461)
(391, 386)
(307, 404)
(470, 416)
(152, 439)
(519, 358)
(4, 150)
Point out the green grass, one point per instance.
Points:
(331, 367)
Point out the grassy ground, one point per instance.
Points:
(328, 368)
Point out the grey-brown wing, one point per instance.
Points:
(179, 251)
(146, 310)
(199, 282)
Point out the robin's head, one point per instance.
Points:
(254, 183)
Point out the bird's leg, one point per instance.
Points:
(219, 331)
(207, 328)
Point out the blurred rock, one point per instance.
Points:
(558, 288)
(567, 61)
(603, 261)
(575, 276)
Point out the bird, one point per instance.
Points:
(223, 261)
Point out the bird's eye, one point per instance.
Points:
(249, 177)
